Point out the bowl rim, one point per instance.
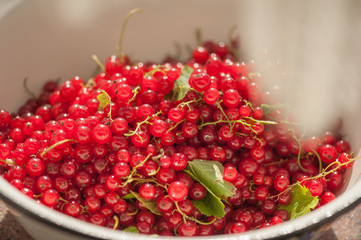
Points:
(17, 200)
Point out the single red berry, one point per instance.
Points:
(327, 197)
(281, 183)
(5, 119)
(119, 126)
(327, 153)
(158, 128)
(315, 187)
(124, 92)
(211, 96)
(147, 191)
(230, 174)
(175, 114)
(187, 229)
(35, 167)
(231, 98)
(200, 81)
(50, 197)
(177, 191)
(197, 191)
(101, 134)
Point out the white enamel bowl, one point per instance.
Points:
(45, 40)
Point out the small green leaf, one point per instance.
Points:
(150, 205)
(181, 85)
(104, 99)
(210, 205)
(128, 196)
(210, 175)
(302, 202)
(131, 229)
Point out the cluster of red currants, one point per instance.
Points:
(114, 151)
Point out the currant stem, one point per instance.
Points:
(189, 102)
(154, 70)
(119, 47)
(224, 114)
(176, 125)
(134, 213)
(98, 62)
(299, 149)
(8, 162)
(135, 93)
(180, 211)
(198, 36)
(211, 123)
(55, 145)
(116, 224)
(319, 161)
(232, 49)
(129, 178)
(186, 217)
(275, 163)
(131, 132)
(148, 180)
(27, 89)
(161, 154)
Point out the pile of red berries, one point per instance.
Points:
(115, 150)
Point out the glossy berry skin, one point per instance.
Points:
(72, 209)
(35, 167)
(211, 96)
(119, 126)
(147, 191)
(197, 191)
(281, 183)
(50, 197)
(179, 161)
(327, 197)
(187, 229)
(175, 114)
(327, 153)
(101, 134)
(231, 98)
(230, 174)
(177, 191)
(200, 55)
(165, 204)
(190, 129)
(200, 81)
(158, 128)
(315, 187)
(5, 119)
(124, 92)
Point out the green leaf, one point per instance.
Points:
(210, 175)
(150, 205)
(128, 196)
(210, 205)
(302, 202)
(131, 229)
(181, 85)
(104, 99)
